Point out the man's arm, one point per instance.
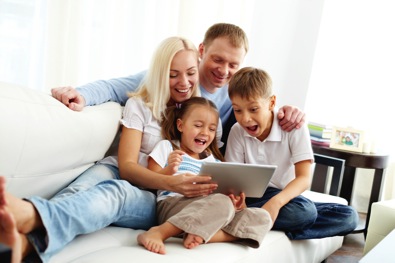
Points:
(98, 92)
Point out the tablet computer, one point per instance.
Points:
(233, 178)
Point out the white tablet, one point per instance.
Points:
(252, 179)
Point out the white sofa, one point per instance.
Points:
(44, 146)
(382, 222)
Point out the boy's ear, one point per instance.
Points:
(272, 102)
(179, 125)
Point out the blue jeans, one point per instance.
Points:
(303, 219)
(96, 199)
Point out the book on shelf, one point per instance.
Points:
(325, 144)
(326, 134)
(320, 141)
(320, 130)
(319, 126)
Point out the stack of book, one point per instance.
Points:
(320, 134)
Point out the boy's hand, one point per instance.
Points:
(290, 118)
(238, 201)
(273, 208)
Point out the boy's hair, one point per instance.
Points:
(236, 36)
(178, 111)
(250, 83)
(155, 87)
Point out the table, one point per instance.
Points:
(353, 160)
(383, 252)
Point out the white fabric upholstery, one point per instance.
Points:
(44, 145)
(382, 222)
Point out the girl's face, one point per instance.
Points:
(183, 75)
(254, 115)
(198, 129)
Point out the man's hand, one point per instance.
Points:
(69, 97)
(290, 118)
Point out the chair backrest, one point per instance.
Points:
(320, 175)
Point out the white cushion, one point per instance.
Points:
(44, 145)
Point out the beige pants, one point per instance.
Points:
(205, 216)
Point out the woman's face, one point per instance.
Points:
(183, 75)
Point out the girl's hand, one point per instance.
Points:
(238, 201)
(174, 161)
(191, 185)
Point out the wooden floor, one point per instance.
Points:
(352, 249)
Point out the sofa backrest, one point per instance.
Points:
(41, 140)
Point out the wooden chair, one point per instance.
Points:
(320, 182)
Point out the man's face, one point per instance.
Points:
(219, 61)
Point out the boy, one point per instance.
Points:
(257, 138)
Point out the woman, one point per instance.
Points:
(172, 78)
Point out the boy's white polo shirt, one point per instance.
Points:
(280, 148)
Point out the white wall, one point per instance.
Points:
(283, 39)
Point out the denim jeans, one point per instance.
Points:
(96, 199)
(303, 219)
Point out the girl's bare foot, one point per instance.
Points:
(192, 241)
(152, 240)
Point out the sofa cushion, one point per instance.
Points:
(114, 244)
(44, 144)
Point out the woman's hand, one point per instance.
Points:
(238, 201)
(191, 185)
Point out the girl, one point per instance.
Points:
(189, 130)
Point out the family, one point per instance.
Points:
(191, 105)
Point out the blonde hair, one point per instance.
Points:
(236, 36)
(155, 87)
(250, 83)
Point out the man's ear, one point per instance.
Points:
(179, 125)
(201, 50)
(272, 102)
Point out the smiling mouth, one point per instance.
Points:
(221, 78)
(201, 142)
(183, 90)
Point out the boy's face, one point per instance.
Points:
(218, 62)
(254, 115)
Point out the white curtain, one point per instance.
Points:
(72, 42)
(352, 78)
